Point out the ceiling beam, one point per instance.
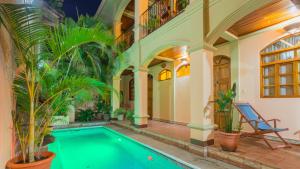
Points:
(229, 36)
(280, 25)
(165, 59)
(129, 14)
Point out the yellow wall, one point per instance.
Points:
(5, 98)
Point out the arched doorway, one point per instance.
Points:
(222, 82)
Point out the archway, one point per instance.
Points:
(163, 69)
(222, 82)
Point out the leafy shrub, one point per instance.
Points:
(85, 115)
(130, 115)
(120, 111)
(103, 107)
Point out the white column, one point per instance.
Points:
(141, 97)
(201, 93)
(115, 96)
(140, 7)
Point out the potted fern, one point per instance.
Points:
(38, 52)
(120, 112)
(227, 137)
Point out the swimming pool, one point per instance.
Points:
(103, 148)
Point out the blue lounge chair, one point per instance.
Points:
(259, 124)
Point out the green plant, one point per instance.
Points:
(86, 115)
(181, 4)
(224, 103)
(39, 89)
(130, 115)
(153, 23)
(120, 111)
(103, 107)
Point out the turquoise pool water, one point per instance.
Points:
(103, 148)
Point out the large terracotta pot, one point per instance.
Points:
(42, 164)
(228, 141)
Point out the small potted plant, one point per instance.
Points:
(60, 118)
(120, 112)
(106, 112)
(227, 137)
(130, 116)
(103, 110)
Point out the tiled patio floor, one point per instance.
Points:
(250, 148)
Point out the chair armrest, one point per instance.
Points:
(256, 123)
(274, 121)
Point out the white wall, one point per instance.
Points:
(285, 109)
(162, 94)
(5, 99)
(182, 99)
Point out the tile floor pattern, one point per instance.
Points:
(251, 148)
(198, 161)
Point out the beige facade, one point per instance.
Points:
(187, 99)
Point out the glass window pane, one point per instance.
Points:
(269, 91)
(269, 81)
(286, 90)
(269, 59)
(183, 71)
(269, 71)
(286, 80)
(286, 68)
(286, 55)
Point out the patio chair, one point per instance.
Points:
(259, 124)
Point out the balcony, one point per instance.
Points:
(125, 40)
(158, 14)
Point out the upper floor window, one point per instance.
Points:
(165, 75)
(280, 68)
(183, 70)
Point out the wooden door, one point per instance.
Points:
(150, 96)
(222, 82)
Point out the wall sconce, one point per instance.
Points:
(184, 60)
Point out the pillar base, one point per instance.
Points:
(140, 121)
(202, 135)
(140, 125)
(202, 143)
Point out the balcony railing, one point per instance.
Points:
(125, 40)
(154, 17)
(160, 13)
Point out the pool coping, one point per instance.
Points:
(172, 158)
(210, 152)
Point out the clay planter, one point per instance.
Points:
(42, 164)
(228, 141)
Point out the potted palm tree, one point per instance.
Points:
(228, 137)
(38, 51)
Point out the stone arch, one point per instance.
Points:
(120, 10)
(233, 17)
(121, 69)
(160, 48)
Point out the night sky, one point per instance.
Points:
(84, 7)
